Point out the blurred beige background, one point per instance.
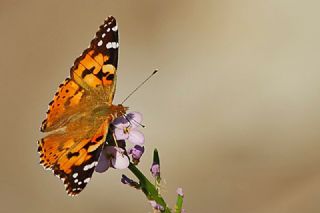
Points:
(234, 112)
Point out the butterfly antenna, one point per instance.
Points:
(154, 72)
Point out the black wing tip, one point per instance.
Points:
(110, 17)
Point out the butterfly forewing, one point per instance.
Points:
(96, 67)
(93, 74)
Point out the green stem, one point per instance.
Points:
(148, 188)
(179, 202)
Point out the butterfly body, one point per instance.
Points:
(80, 113)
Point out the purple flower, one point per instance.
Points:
(126, 128)
(155, 170)
(180, 192)
(103, 163)
(155, 205)
(130, 182)
(136, 153)
(119, 159)
(112, 156)
(126, 180)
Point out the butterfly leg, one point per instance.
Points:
(115, 140)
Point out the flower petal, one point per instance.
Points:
(121, 161)
(103, 163)
(136, 137)
(155, 170)
(155, 205)
(110, 151)
(120, 134)
(136, 152)
(180, 192)
(125, 179)
(121, 122)
(135, 119)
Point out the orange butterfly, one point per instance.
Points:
(79, 116)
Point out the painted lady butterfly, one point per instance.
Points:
(79, 116)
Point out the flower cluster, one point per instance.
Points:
(115, 155)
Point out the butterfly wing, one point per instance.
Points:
(93, 79)
(77, 120)
(96, 67)
(72, 158)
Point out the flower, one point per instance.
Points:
(130, 182)
(136, 153)
(155, 205)
(126, 128)
(103, 163)
(119, 159)
(126, 180)
(155, 170)
(112, 156)
(180, 192)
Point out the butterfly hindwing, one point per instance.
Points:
(81, 174)
(72, 159)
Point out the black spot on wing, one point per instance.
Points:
(87, 72)
(43, 125)
(99, 138)
(110, 77)
(100, 74)
(88, 145)
(72, 154)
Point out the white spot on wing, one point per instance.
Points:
(108, 30)
(76, 180)
(109, 45)
(113, 45)
(86, 180)
(79, 183)
(89, 166)
(115, 28)
(103, 35)
(75, 175)
(100, 43)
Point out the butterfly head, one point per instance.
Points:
(118, 110)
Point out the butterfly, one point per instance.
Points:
(81, 111)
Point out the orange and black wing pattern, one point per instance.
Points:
(93, 76)
(77, 119)
(72, 158)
